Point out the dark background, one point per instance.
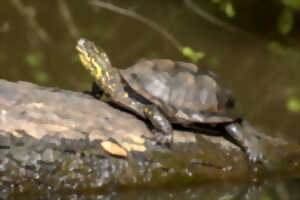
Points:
(252, 45)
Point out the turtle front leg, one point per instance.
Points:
(96, 91)
(249, 141)
(164, 130)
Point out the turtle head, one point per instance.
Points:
(97, 62)
(93, 58)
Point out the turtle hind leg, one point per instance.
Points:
(163, 129)
(249, 141)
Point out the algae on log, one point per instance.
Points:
(61, 139)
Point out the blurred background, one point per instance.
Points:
(253, 46)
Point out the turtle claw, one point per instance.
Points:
(255, 149)
(247, 138)
(166, 139)
(254, 156)
(162, 139)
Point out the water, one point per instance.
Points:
(260, 66)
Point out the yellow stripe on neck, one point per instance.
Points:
(97, 72)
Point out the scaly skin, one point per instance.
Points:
(108, 79)
(110, 82)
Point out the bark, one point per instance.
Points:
(58, 139)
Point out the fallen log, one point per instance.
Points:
(58, 139)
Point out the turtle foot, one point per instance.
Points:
(162, 139)
(248, 139)
(255, 149)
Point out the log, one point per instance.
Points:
(59, 139)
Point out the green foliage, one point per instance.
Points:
(276, 48)
(285, 21)
(288, 52)
(293, 104)
(229, 10)
(216, 1)
(291, 3)
(34, 59)
(286, 17)
(41, 77)
(266, 197)
(194, 56)
(226, 6)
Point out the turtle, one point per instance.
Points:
(168, 92)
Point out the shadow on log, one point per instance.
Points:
(58, 139)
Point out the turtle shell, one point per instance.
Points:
(183, 92)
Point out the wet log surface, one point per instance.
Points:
(53, 139)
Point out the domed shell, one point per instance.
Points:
(181, 91)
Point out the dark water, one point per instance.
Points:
(287, 189)
(37, 40)
(278, 190)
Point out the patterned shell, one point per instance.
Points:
(181, 91)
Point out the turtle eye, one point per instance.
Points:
(81, 42)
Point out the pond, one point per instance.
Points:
(260, 65)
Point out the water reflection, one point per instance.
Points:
(280, 189)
